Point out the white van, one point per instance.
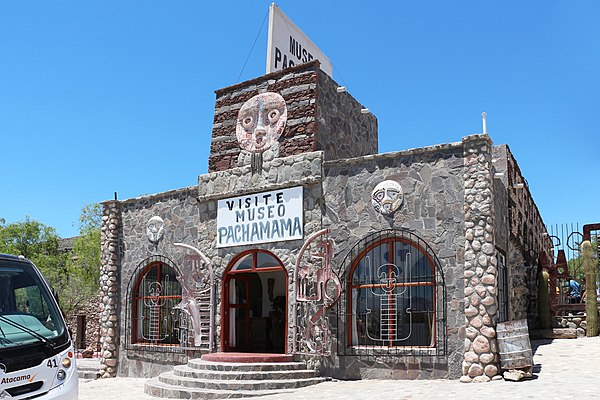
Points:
(37, 359)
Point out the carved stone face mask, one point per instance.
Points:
(261, 121)
(387, 197)
(155, 229)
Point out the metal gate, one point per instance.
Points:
(566, 268)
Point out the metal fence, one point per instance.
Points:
(567, 277)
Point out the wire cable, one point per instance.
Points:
(253, 44)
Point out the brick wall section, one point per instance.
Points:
(525, 221)
(524, 235)
(297, 85)
(319, 118)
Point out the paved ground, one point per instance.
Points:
(565, 369)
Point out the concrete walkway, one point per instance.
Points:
(565, 369)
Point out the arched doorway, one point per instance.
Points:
(255, 287)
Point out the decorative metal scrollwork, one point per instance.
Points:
(393, 299)
(317, 288)
(388, 278)
(197, 301)
(574, 241)
(154, 302)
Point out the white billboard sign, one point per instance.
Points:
(288, 45)
(265, 217)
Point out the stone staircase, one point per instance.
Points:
(87, 368)
(202, 379)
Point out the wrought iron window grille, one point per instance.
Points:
(154, 322)
(393, 300)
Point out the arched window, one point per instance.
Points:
(393, 296)
(156, 293)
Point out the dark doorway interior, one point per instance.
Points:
(255, 306)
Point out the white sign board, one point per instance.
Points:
(288, 45)
(264, 217)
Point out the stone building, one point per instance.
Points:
(302, 239)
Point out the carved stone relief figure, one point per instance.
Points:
(387, 197)
(261, 121)
(155, 229)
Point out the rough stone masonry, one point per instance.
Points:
(481, 305)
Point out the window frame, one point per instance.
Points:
(390, 240)
(136, 338)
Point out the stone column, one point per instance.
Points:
(109, 287)
(481, 300)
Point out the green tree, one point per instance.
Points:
(83, 270)
(37, 242)
(86, 252)
(90, 218)
(74, 275)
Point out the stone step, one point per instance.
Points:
(237, 357)
(236, 385)
(156, 388)
(186, 371)
(197, 363)
(87, 368)
(85, 374)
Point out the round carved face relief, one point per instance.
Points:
(261, 121)
(387, 197)
(155, 229)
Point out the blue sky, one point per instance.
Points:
(105, 96)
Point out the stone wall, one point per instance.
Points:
(501, 240)
(501, 224)
(318, 118)
(432, 181)
(577, 322)
(517, 284)
(480, 274)
(343, 130)
(179, 211)
(526, 223)
(527, 236)
(92, 312)
(300, 170)
(110, 242)
(450, 200)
